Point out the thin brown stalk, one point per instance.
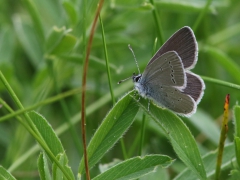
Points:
(84, 81)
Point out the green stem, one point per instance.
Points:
(31, 128)
(84, 83)
(42, 103)
(201, 15)
(65, 109)
(157, 22)
(223, 136)
(74, 120)
(125, 156)
(106, 60)
(220, 82)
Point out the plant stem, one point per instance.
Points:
(157, 22)
(201, 15)
(31, 127)
(42, 103)
(223, 135)
(220, 82)
(84, 82)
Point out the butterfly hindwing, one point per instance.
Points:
(173, 99)
(195, 86)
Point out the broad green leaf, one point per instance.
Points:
(210, 163)
(4, 174)
(180, 137)
(114, 125)
(135, 167)
(43, 167)
(105, 167)
(158, 172)
(47, 133)
(50, 138)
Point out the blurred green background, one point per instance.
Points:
(39, 38)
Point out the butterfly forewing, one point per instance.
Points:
(173, 99)
(184, 43)
(195, 87)
(165, 70)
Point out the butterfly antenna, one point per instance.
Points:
(134, 57)
(124, 80)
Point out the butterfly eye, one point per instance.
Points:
(137, 78)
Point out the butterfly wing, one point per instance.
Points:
(165, 70)
(173, 99)
(184, 43)
(195, 86)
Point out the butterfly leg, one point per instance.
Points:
(139, 99)
(135, 93)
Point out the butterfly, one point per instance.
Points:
(167, 79)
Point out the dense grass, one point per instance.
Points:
(41, 56)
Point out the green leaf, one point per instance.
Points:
(4, 174)
(210, 163)
(236, 111)
(71, 11)
(57, 173)
(52, 141)
(43, 167)
(135, 167)
(237, 149)
(59, 41)
(54, 38)
(66, 45)
(114, 125)
(234, 175)
(158, 172)
(179, 135)
(47, 133)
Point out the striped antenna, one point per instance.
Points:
(134, 58)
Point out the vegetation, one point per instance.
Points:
(43, 47)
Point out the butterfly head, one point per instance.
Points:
(136, 78)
